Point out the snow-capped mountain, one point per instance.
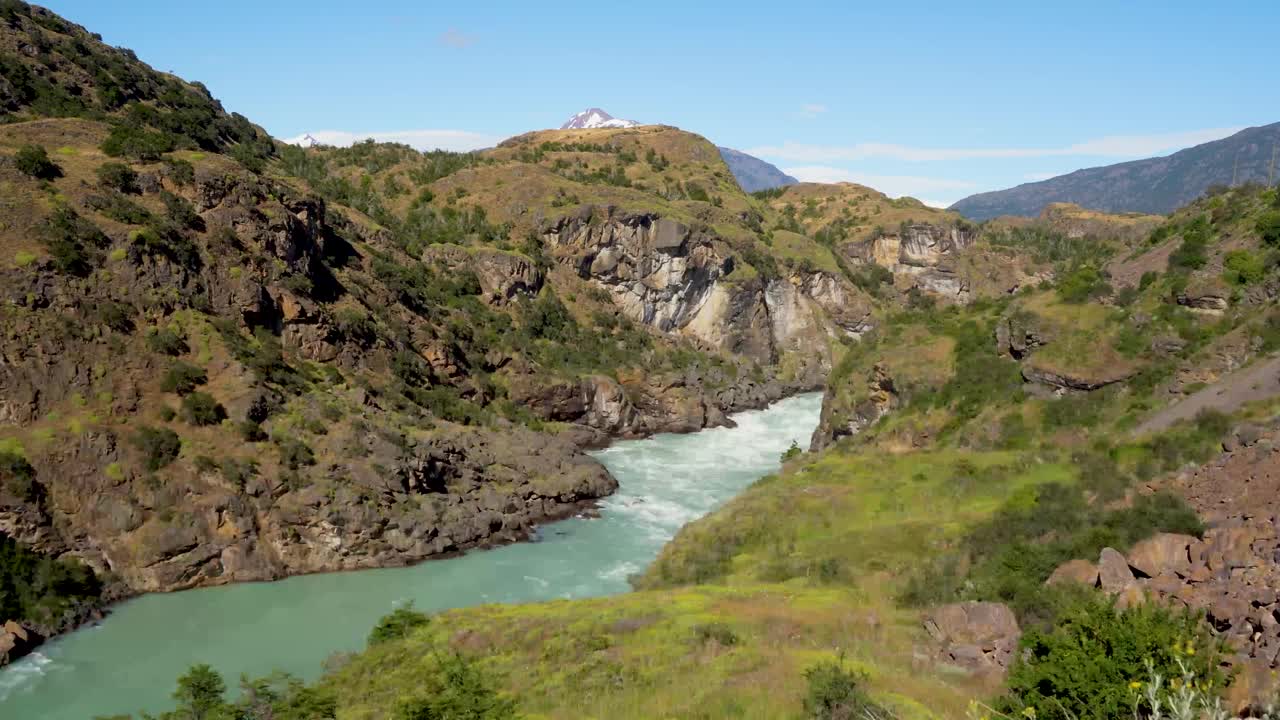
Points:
(596, 118)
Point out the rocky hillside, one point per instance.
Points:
(752, 173)
(1003, 492)
(1156, 185)
(226, 359)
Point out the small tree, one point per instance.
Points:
(201, 409)
(182, 378)
(200, 695)
(34, 161)
(117, 176)
(159, 446)
(398, 624)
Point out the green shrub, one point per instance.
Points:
(17, 476)
(1083, 284)
(167, 342)
(1147, 279)
(1012, 554)
(294, 453)
(137, 143)
(1192, 253)
(835, 693)
(1242, 267)
(115, 315)
(181, 212)
(1268, 225)
(117, 176)
(159, 446)
(119, 208)
(250, 431)
(202, 409)
(180, 171)
(458, 689)
(182, 378)
(72, 241)
(32, 160)
(792, 452)
(39, 588)
(722, 633)
(398, 624)
(1081, 669)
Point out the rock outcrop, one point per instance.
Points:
(979, 637)
(677, 279)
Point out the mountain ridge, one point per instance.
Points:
(1156, 185)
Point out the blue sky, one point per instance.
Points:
(936, 100)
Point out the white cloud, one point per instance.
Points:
(455, 39)
(1119, 146)
(812, 110)
(456, 140)
(892, 185)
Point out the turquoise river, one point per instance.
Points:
(129, 662)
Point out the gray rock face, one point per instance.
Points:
(977, 636)
(674, 278)
(1114, 574)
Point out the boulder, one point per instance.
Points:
(1077, 571)
(979, 636)
(1160, 553)
(1114, 574)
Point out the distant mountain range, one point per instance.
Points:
(1155, 185)
(751, 172)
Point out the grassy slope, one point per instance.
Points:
(818, 585)
(807, 564)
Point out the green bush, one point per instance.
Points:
(72, 241)
(1081, 669)
(18, 477)
(1269, 225)
(835, 693)
(1011, 555)
(202, 409)
(1083, 284)
(117, 176)
(182, 378)
(1192, 253)
(119, 208)
(159, 446)
(398, 624)
(294, 453)
(1242, 267)
(458, 689)
(722, 633)
(32, 160)
(137, 143)
(39, 588)
(167, 342)
(792, 452)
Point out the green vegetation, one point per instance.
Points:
(38, 588)
(73, 242)
(1085, 668)
(398, 625)
(32, 160)
(182, 378)
(159, 446)
(118, 177)
(835, 693)
(201, 409)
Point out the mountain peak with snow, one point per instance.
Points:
(596, 118)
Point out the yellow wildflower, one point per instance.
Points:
(1134, 684)
(1029, 712)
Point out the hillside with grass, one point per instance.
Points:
(972, 460)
